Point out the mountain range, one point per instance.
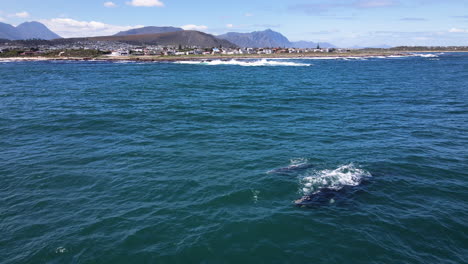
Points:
(384, 46)
(27, 30)
(167, 36)
(183, 38)
(257, 39)
(268, 38)
(148, 30)
(302, 44)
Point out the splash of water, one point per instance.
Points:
(344, 175)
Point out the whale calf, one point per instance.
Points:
(327, 196)
(322, 197)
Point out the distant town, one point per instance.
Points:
(34, 48)
(30, 48)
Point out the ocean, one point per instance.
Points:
(206, 162)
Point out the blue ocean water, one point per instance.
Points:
(195, 162)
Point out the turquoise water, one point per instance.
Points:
(202, 162)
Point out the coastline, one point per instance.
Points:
(363, 54)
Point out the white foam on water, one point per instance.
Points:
(262, 62)
(61, 250)
(398, 56)
(356, 58)
(299, 161)
(22, 59)
(255, 194)
(426, 55)
(344, 175)
(345, 58)
(321, 58)
(123, 62)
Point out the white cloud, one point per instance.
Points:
(110, 4)
(147, 3)
(2, 19)
(248, 14)
(229, 25)
(23, 14)
(458, 30)
(195, 27)
(375, 3)
(67, 27)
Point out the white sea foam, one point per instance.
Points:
(398, 56)
(22, 59)
(426, 55)
(327, 58)
(255, 194)
(299, 161)
(123, 62)
(61, 250)
(321, 58)
(345, 175)
(247, 63)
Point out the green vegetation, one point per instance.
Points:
(79, 53)
(11, 53)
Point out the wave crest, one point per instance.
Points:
(247, 63)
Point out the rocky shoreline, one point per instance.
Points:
(213, 57)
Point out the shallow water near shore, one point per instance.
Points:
(105, 162)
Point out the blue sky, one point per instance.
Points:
(341, 22)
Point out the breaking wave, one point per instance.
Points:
(248, 63)
(430, 55)
(345, 58)
(345, 175)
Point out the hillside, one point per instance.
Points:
(35, 30)
(184, 38)
(8, 31)
(311, 45)
(27, 30)
(257, 39)
(268, 38)
(148, 30)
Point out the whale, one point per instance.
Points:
(322, 197)
(327, 196)
(291, 168)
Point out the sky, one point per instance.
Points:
(344, 23)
